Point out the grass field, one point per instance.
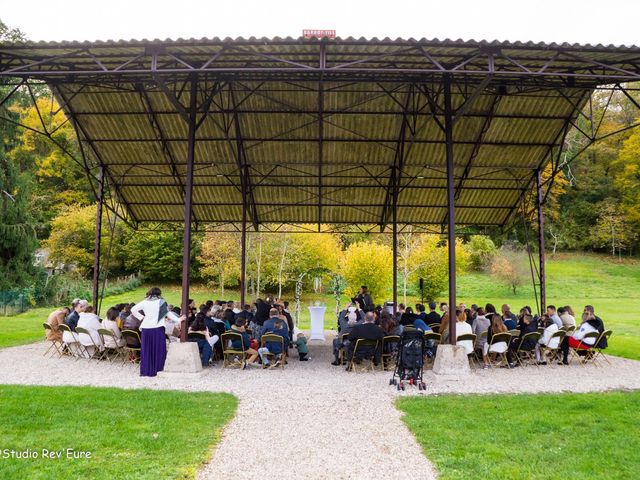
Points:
(129, 433)
(560, 436)
(573, 279)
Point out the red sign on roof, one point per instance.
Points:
(319, 33)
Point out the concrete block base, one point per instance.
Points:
(183, 357)
(451, 360)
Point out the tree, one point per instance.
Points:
(431, 259)
(508, 267)
(158, 255)
(59, 180)
(72, 239)
(220, 259)
(481, 251)
(611, 228)
(17, 233)
(368, 263)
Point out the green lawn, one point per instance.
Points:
(573, 279)
(129, 433)
(561, 436)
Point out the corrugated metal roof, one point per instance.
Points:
(320, 125)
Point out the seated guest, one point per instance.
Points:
(433, 316)
(420, 310)
(545, 339)
(172, 325)
(367, 331)
(346, 325)
(497, 326)
(463, 328)
(124, 313)
(111, 323)
(72, 321)
(239, 327)
(590, 323)
(206, 344)
(408, 318)
(509, 318)
(480, 324)
(275, 348)
(443, 329)
(567, 317)
(553, 315)
(246, 314)
(274, 316)
(90, 321)
(55, 319)
(528, 325)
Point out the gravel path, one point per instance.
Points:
(316, 420)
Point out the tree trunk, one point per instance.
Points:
(281, 267)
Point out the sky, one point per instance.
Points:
(584, 21)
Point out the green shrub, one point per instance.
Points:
(481, 252)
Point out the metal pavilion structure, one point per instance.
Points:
(260, 133)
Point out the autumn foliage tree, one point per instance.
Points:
(370, 264)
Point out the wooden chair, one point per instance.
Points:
(587, 350)
(477, 348)
(132, 353)
(436, 337)
(553, 352)
(342, 350)
(272, 338)
(499, 345)
(97, 354)
(367, 363)
(72, 347)
(594, 352)
(56, 344)
(388, 357)
(117, 350)
(527, 355)
(435, 327)
(233, 358)
(465, 338)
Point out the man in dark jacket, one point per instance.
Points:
(366, 331)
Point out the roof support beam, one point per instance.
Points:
(241, 160)
(161, 138)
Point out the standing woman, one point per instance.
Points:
(152, 311)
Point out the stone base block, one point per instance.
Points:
(183, 357)
(451, 360)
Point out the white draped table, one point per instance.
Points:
(317, 322)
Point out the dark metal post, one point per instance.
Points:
(188, 207)
(451, 210)
(541, 252)
(394, 220)
(96, 251)
(243, 249)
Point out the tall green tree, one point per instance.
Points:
(17, 231)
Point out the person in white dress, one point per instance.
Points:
(463, 328)
(111, 323)
(91, 322)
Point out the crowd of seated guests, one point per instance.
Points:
(483, 322)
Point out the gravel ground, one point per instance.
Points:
(314, 420)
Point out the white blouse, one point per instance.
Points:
(150, 307)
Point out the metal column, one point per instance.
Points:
(243, 248)
(96, 251)
(394, 219)
(188, 207)
(541, 252)
(451, 210)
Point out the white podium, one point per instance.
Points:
(317, 323)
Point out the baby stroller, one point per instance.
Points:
(410, 360)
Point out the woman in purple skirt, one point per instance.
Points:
(152, 311)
